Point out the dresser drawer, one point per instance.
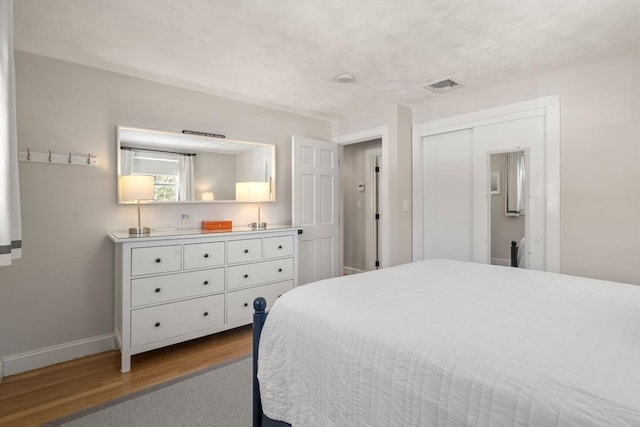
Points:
(157, 259)
(241, 276)
(240, 303)
(157, 289)
(277, 247)
(244, 251)
(170, 320)
(203, 255)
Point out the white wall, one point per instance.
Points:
(216, 173)
(62, 288)
(600, 158)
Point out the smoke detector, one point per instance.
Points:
(344, 78)
(442, 86)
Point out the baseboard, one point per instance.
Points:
(501, 261)
(350, 270)
(11, 365)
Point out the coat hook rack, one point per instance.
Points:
(60, 159)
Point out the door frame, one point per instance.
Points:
(370, 198)
(549, 107)
(381, 133)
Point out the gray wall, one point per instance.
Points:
(62, 288)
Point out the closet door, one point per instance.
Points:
(448, 195)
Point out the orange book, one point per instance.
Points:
(216, 225)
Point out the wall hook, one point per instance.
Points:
(50, 158)
(89, 159)
(28, 154)
(69, 157)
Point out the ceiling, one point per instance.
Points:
(285, 54)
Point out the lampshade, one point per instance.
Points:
(252, 191)
(136, 187)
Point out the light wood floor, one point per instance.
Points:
(41, 395)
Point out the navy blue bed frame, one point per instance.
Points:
(259, 317)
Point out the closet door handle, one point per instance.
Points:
(246, 251)
(157, 324)
(206, 313)
(279, 270)
(246, 276)
(279, 246)
(206, 282)
(206, 255)
(158, 260)
(157, 290)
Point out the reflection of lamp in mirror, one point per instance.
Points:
(253, 192)
(207, 195)
(136, 188)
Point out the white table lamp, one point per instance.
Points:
(254, 192)
(136, 188)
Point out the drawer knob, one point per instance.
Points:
(279, 246)
(246, 276)
(158, 260)
(246, 304)
(206, 313)
(157, 290)
(157, 324)
(206, 282)
(246, 251)
(279, 270)
(206, 255)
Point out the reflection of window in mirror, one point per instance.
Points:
(172, 172)
(192, 168)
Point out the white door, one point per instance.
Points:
(448, 195)
(316, 192)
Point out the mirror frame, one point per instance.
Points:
(190, 137)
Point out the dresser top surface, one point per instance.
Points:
(165, 233)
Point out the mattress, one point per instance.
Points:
(450, 343)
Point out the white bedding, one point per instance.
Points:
(449, 343)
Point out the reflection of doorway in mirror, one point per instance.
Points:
(495, 183)
(508, 223)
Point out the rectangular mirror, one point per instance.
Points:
(192, 168)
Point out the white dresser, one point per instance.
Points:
(173, 286)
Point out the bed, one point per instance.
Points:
(450, 343)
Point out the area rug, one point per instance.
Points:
(214, 397)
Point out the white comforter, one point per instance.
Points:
(448, 343)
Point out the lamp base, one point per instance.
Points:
(258, 225)
(144, 231)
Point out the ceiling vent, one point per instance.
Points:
(442, 86)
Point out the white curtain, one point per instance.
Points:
(126, 162)
(515, 183)
(10, 226)
(186, 187)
